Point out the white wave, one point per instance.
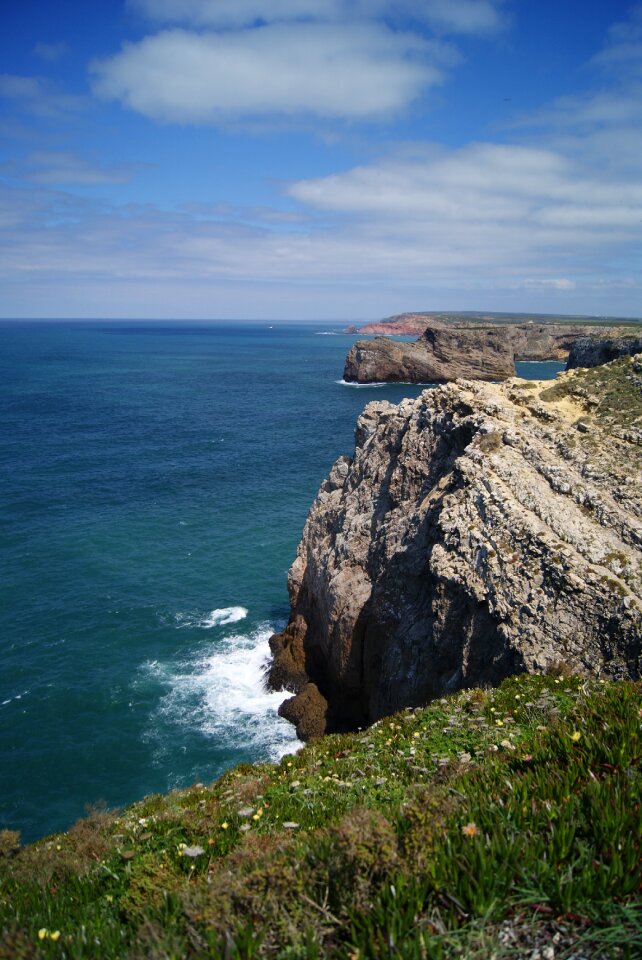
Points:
(224, 616)
(384, 383)
(17, 696)
(348, 383)
(221, 617)
(223, 695)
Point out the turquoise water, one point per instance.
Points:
(154, 481)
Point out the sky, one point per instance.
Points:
(319, 159)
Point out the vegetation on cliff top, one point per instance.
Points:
(490, 823)
(610, 392)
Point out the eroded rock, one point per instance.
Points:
(474, 534)
(593, 351)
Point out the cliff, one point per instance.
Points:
(537, 334)
(446, 352)
(478, 531)
(593, 351)
(404, 324)
(439, 355)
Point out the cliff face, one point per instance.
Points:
(593, 351)
(446, 352)
(478, 531)
(403, 325)
(441, 354)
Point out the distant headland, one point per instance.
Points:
(479, 346)
(414, 324)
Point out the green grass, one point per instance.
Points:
(611, 392)
(482, 825)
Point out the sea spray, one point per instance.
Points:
(220, 691)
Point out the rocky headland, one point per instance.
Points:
(594, 351)
(414, 324)
(444, 352)
(478, 531)
(439, 355)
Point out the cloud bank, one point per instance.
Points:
(549, 213)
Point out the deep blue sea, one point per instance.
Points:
(154, 482)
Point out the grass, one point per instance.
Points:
(485, 824)
(611, 392)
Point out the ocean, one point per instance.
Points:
(154, 481)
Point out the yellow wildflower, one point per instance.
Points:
(42, 933)
(54, 935)
(224, 825)
(575, 736)
(470, 830)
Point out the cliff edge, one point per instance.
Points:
(594, 351)
(439, 355)
(472, 350)
(480, 530)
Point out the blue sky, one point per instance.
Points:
(319, 159)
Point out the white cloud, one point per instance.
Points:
(463, 16)
(150, 262)
(59, 167)
(237, 13)
(551, 220)
(545, 283)
(454, 16)
(490, 184)
(40, 97)
(50, 52)
(623, 49)
(326, 70)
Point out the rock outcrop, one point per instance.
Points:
(478, 531)
(593, 351)
(536, 338)
(404, 324)
(446, 352)
(439, 355)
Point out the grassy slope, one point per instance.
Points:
(483, 825)
(611, 393)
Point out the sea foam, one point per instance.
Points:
(359, 386)
(384, 383)
(223, 695)
(220, 617)
(223, 617)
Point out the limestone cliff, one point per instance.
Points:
(444, 352)
(478, 531)
(593, 351)
(439, 355)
